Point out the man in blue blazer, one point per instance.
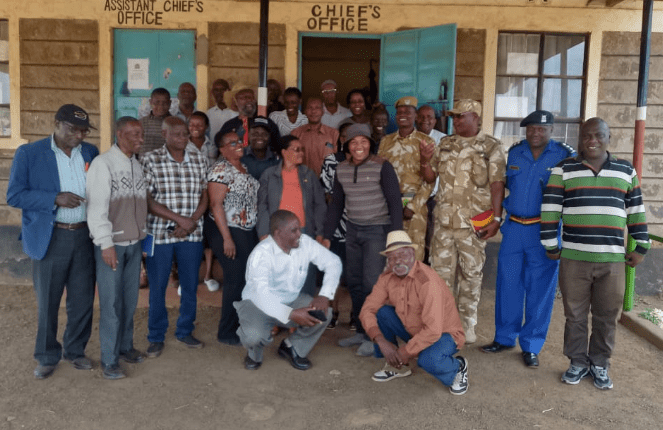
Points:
(47, 181)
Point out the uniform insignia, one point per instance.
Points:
(568, 148)
(514, 168)
(514, 145)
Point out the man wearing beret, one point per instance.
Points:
(401, 149)
(470, 165)
(525, 276)
(47, 181)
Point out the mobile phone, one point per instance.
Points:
(318, 314)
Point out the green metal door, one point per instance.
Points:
(420, 63)
(149, 59)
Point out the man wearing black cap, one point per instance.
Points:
(47, 181)
(524, 274)
(258, 156)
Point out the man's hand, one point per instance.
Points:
(553, 255)
(179, 232)
(320, 303)
(110, 257)
(302, 317)
(187, 224)
(407, 214)
(69, 200)
(426, 151)
(319, 239)
(390, 352)
(489, 231)
(326, 243)
(633, 258)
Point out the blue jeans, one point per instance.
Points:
(438, 359)
(188, 255)
(118, 296)
(364, 264)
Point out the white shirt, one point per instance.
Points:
(274, 279)
(218, 117)
(333, 120)
(71, 171)
(281, 119)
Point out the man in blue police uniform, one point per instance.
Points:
(524, 273)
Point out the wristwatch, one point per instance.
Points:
(498, 219)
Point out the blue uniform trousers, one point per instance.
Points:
(525, 276)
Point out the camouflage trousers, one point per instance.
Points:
(458, 256)
(416, 229)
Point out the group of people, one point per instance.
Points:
(278, 199)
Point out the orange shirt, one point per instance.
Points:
(291, 196)
(423, 303)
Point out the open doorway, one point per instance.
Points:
(348, 61)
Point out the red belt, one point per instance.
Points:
(72, 226)
(525, 221)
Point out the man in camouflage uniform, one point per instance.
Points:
(401, 149)
(471, 166)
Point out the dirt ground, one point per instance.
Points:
(209, 388)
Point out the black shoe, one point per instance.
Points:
(113, 371)
(289, 353)
(132, 356)
(495, 347)
(44, 371)
(190, 342)
(334, 320)
(155, 349)
(249, 364)
(531, 359)
(80, 363)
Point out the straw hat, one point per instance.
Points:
(398, 239)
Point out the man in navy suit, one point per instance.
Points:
(47, 181)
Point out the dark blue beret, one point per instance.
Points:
(538, 117)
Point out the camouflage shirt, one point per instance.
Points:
(403, 154)
(466, 167)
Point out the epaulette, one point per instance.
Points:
(568, 148)
(515, 144)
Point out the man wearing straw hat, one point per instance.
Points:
(410, 301)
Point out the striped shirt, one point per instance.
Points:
(71, 171)
(285, 126)
(594, 208)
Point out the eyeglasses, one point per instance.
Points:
(329, 91)
(233, 144)
(72, 129)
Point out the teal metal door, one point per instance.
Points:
(149, 59)
(420, 63)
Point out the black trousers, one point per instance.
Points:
(69, 262)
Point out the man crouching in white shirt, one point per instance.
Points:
(275, 274)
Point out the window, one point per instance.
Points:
(540, 71)
(5, 125)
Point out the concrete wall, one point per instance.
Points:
(618, 84)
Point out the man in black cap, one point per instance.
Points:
(47, 181)
(258, 156)
(525, 276)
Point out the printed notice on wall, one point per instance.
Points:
(138, 73)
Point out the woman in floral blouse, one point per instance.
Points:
(233, 195)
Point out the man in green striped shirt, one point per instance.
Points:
(596, 196)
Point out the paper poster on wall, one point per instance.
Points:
(138, 73)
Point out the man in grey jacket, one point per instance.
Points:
(117, 213)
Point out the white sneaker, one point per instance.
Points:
(212, 285)
(388, 373)
(179, 290)
(460, 384)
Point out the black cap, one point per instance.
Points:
(74, 115)
(260, 121)
(538, 117)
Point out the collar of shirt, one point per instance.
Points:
(607, 162)
(56, 149)
(249, 152)
(192, 146)
(314, 127)
(170, 157)
(152, 116)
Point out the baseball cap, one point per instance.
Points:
(74, 115)
(465, 105)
